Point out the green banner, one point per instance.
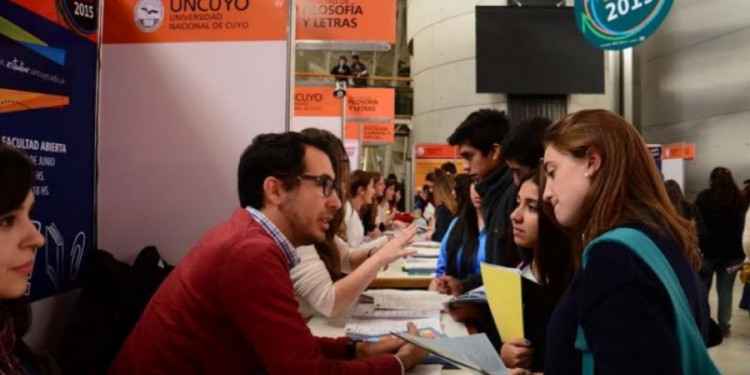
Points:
(620, 24)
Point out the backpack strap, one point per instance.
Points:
(693, 354)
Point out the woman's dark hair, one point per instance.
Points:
(464, 236)
(388, 184)
(723, 192)
(327, 250)
(554, 258)
(16, 179)
(463, 190)
(678, 200)
(359, 179)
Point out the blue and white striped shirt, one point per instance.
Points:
(286, 247)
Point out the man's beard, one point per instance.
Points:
(300, 230)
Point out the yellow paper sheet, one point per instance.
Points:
(503, 286)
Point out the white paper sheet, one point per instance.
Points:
(407, 299)
(367, 326)
(474, 352)
(369, 311)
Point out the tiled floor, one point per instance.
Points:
(733, 355)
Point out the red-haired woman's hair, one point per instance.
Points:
(628, 188)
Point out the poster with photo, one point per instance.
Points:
(48, 85)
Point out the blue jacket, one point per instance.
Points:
(443, 262)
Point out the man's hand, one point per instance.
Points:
(371, 349)
(409, 354)
(517, 353)
(464, 312)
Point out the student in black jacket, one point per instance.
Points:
(479, 138)
(723, 210)
(342, 71)
(599, 176)
(523, 148)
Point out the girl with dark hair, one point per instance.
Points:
(319, 281)
(723, 208)
(547, 261)
(462, 249)
(19, 238)
(687, 210)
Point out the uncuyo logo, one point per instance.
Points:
(619, 24)
(149, 14)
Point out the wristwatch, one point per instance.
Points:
(351, 349)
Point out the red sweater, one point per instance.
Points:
(229, 308)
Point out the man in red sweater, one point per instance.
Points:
(229, 307)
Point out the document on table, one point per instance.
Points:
(474, 352)
(367, 326)
(407, 299)
(503, 287)
(368, 310)
(427, 244)
(420, 264)
(424, 252)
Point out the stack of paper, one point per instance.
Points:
(424, 252)
(420, 265)
(425, 244)
(368, 310)
(474, 352)
(380, 326)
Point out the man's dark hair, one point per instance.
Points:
(524, 142)
(342, 57)
(481, 129)
(449, 168)
(279, 155)
(355, 57)
(430, 177)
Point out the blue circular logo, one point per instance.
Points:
(620, 24)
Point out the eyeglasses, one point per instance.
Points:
(328, 184)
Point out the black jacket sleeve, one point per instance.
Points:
(443, 220)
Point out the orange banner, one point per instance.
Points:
(316, 101)
(371, 103)
(347, 20)
(679, 151)
(372, 133)
(352, 130)
(424, 166)
(436, 151)
(14, 101)
(157, 21)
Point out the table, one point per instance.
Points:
(395, 277)
(334, 327)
